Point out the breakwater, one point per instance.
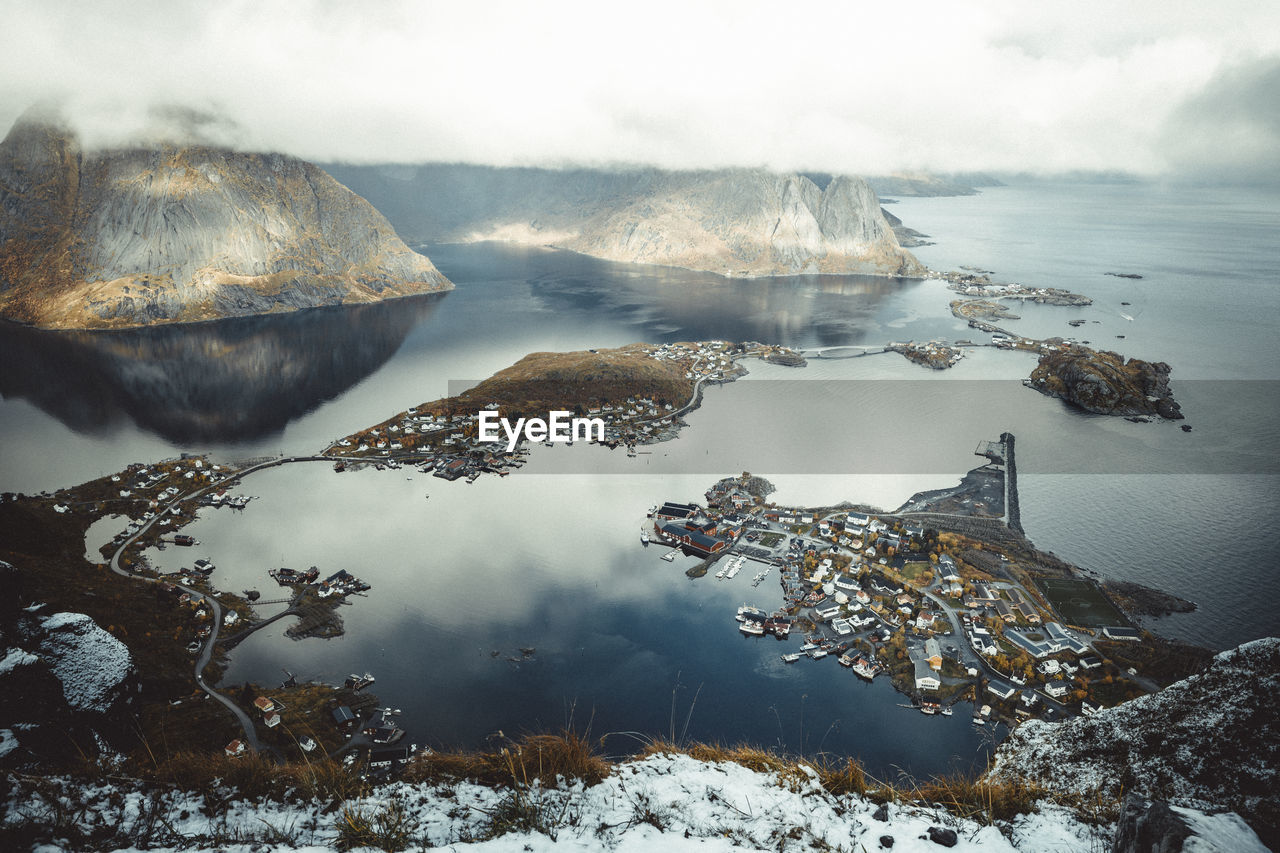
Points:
(1012, 512)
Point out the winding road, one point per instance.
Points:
(206, 653)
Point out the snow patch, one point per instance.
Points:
(16, 658)
(90, 663)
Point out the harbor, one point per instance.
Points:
(887, 594)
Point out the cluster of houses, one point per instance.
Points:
(140, 482)
(936, 354)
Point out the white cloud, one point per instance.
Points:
(823, 85)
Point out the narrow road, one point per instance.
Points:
(206, 653)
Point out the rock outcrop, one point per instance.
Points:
(1145, 827)
(1209, 741)
(736, 222)
(168, 233)
(1106, 383)
(63, 681)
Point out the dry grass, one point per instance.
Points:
(257, 775)
(540, 757)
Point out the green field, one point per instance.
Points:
(1080, 602)
(770, 539)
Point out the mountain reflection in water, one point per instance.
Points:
(227, 381)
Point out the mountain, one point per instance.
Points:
(734, 222)
(181, 233)
(1209, 740)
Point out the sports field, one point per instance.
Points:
(1080, 602)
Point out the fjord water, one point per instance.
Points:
(549, 557)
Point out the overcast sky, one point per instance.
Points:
(1146, 87)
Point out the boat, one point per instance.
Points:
(358, 682)
(929, 708)
(808, 647)
(978, 721)
(671, 555)
(845, 660)
(752, 627)
(644, 537)
(946, 711)
(748, 613)
(720, 574)
(818, 654)
(791, 658)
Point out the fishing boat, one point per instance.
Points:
(946, 711)
(791, 658)
(358, 682)
(752, 627)
(644, 537)
(818, 654)
(929, 708)
(748, 613)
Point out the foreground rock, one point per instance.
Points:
(1156, 826)
(1208, 741)
(734, 222)
(1105, 382)
(63, 680)
(161, 234)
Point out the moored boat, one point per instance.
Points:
(791, 658)
(752, 627)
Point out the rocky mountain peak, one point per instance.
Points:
(178, 233)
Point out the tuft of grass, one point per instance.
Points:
(390, 828)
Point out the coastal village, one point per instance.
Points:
(948, 617)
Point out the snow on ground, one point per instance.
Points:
(8, 742)
(666, 802)
(1212, 739)
(88, 661)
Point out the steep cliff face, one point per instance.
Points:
(740, 222)
(1209, 740)
(179, 234)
